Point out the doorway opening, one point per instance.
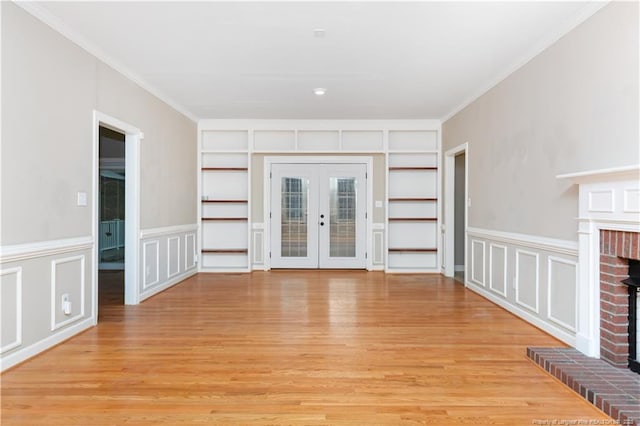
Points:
(111, 217)
(115, 250)
(318, 213)
(456, 191)
(459, 216)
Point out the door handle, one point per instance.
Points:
(321, 216)
(321, 223)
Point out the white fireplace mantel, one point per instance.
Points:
(608, 199)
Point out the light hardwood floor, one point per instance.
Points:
(296, 347)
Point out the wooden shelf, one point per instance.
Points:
(225, 201)
(413, 219)
(414, 250)
(241, 219)
(225, 169)
(412, 199)
(411, 168)
(225, 251)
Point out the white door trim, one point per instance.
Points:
(133, 136)
(449, 207)
(316, 159)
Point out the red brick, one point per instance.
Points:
(615, 360)
(615, 328)
(613, 308)
(635, 246)
(607, 336)
(614, 298)
(619, 242)
(625, 245)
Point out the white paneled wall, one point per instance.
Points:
(534, 278)
(168, 256)
(11, 313)
(53, 269)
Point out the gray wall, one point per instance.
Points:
(50, 88)
(574, 107)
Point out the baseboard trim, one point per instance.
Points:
(167, 284)
(21, 355)
(562, 335)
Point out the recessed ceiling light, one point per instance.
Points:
(319, 91)
(319, 32)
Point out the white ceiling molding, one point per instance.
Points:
(58, 25)
(262, 60)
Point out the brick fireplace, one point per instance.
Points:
(616, 248)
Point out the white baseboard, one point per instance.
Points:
(532, 319)
(169, 283)
(24, 354)
(458, 268)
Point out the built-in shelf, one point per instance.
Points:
(413, 250)
(225, 201)
(242, 219)
(225, 169)
(225, 251)
(413, 219)
(411, 199)
(409, 169)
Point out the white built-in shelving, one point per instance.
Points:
(412, 201)
(411, 241)
(224, 201)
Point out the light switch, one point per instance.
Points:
(378, 204)
(82, 199)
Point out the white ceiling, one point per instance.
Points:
(392, 60)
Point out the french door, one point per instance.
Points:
(318, 216)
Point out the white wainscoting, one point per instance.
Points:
(498, 269)
(257, 246)
(33, 278)
(150, 263)
(173, 255)
(168, 256)
(378, 246)
(11, 291)
(477, 262)
(190, 249)
(533, 277)
(68, 278)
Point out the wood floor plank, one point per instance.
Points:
(295, 347)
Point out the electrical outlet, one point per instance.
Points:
(65, 305)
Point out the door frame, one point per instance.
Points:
(316, 159)
(449, 208)
(133, 136)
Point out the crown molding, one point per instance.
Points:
(59, 26)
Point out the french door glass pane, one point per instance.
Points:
(294, 217)
(342, 204)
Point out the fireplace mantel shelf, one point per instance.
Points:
(603, 175)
